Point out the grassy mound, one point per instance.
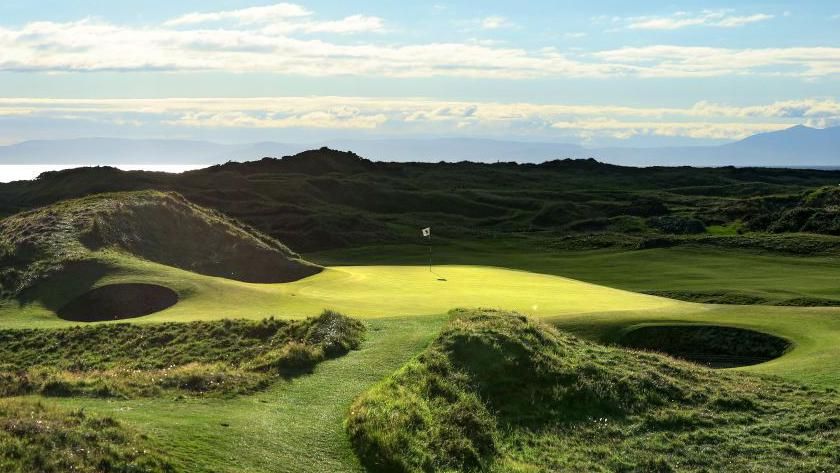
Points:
(37, 438)
(126, 360)
(711, 345)
(160, 227)
(498, 392)
(117, 302)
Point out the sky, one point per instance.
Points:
(596, 73)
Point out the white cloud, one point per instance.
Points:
(282, 18)
(266, 40)
(716, 18)
(245, 16)
(703, 120)
(495, 22)
(78, 46)
(686, 61)
(699, 130)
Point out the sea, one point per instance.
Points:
(25, 172)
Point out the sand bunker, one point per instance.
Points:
(710, 345)
(117, 302)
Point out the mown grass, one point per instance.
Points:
(226, 357)
(498, 392)
(709, 273)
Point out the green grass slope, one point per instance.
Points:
(150, 225)
(498, 392)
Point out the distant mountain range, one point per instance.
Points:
(799, 146)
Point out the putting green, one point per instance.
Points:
(376, 291)
(360, 291)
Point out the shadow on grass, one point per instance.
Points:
(70, 282)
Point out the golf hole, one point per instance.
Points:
(117, 302)
(710, 345)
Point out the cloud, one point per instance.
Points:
(695, 61)
(245, 16)
(711, 18)
(284, 39)
(703, 120)
(699, 130)
(281, 18)
(273, 48)
(495, 23)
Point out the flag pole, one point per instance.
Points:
(430, 252)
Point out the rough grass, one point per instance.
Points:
(498, 392)
(224, 357)
(160, 227)
(37, 438)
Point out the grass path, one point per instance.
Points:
(296, 426)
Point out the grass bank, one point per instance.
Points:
(498, 392)
(222, 358)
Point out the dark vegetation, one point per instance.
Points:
(118, 301)
(223, 357)
(498, 392)
(325, 199)
(38, 438)
(710, 345)
(737, 298)
(160, 227)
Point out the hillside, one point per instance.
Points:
(795, 146)
(160, 227)
(323, 199)
(497, 392)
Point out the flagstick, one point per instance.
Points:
(430, 253)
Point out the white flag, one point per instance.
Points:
(427, 232)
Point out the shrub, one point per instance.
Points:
(677, 225)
